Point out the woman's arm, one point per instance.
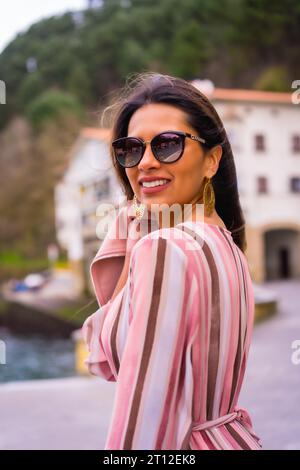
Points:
(123, 276)
(153, 401)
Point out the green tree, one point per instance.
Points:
(50, 106)
(273, 79)
(30, 88)
(78, 83)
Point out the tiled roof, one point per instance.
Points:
(234, 94)
(95, 133)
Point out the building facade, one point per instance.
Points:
(264, 131)
(88, 183)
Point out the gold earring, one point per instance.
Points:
(139, 210)
(208, 198)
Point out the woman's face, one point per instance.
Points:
(185, 175)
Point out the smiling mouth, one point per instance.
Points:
(154, 183)
(148, 189)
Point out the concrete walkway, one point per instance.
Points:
(70, 413)
(271, 390)
(74, 413)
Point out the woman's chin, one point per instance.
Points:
(155, 204)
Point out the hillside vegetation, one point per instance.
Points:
(62, 70)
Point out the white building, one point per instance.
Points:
(87, 182)
(264, 130)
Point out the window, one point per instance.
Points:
(296, 143)
(102, 188)
(88, 218)
(295, 184)
(262, 185)
(260, 143)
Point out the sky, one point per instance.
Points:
(16, 16)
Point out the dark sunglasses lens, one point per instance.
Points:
(167, 147)
(128, 151)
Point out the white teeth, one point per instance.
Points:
(151, 184)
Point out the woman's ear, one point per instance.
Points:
(214, 158)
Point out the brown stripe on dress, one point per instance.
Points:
(186, 441)
(149, 338)
(113, 341)
(237, 437)
(214, 343)
(236, 368)
(238, 356)
(246, 297)
(241, 339)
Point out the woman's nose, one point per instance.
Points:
(148, 160)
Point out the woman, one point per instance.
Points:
(176, 316)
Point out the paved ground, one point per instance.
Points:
(74, 413)
(71, 413)
(271, 390)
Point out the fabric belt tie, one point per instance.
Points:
(238, 413)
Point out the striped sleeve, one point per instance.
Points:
(96, 361)
(153, 401)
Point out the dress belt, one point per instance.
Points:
(238, 413)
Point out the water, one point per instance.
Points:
(35, 357)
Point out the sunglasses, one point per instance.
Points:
(167, 147)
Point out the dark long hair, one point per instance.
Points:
(151, 87)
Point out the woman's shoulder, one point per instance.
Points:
(164, 258)
(185, 232)
(173, 244)
(172, 237)
(189, 239)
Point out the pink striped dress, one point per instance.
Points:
(175, 339)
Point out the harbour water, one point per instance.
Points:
(35, 357)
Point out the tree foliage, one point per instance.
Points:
(232, 42)
(69, 63)
(50, 106)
